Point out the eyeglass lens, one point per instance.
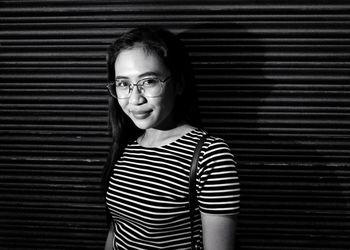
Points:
(149, 87)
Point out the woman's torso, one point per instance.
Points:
(148, 195)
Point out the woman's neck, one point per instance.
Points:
(156, 137)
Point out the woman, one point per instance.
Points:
(155, 133)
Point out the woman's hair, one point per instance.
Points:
(173, 53)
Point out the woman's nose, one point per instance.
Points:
(136, 97)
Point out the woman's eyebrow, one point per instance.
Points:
(121, 77)
(148, 73)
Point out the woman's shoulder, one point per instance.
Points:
(214, 147)
(211, 142)
(198, 133)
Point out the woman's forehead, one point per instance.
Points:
(138, 61)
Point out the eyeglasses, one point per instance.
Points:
(148, 87)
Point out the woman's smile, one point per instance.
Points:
(140, 114)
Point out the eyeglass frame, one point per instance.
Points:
(132, 85)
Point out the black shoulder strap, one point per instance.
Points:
(192, 184)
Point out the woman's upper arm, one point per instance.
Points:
(218, 231)
(109, 240)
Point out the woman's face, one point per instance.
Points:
(146, 112)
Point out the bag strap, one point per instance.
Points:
(192, 186)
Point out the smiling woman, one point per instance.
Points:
(146, 111)
(155, 132)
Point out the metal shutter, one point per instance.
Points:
(273, 79)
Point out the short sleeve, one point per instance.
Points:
(217, 180)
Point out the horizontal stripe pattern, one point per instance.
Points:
(148, 192)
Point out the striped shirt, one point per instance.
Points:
(148, 192)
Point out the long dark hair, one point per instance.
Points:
(175, 57)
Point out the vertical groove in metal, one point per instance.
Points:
(273, 80)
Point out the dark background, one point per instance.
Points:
(273, 80)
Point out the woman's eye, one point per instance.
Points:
(122, 83)
(149, 82)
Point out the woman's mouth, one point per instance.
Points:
(140, 114)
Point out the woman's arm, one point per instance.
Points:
(219, 231)
(109, 241)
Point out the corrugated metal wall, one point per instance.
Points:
(273, 79)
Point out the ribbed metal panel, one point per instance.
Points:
(273, 80)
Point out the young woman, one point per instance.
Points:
(155, 131)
